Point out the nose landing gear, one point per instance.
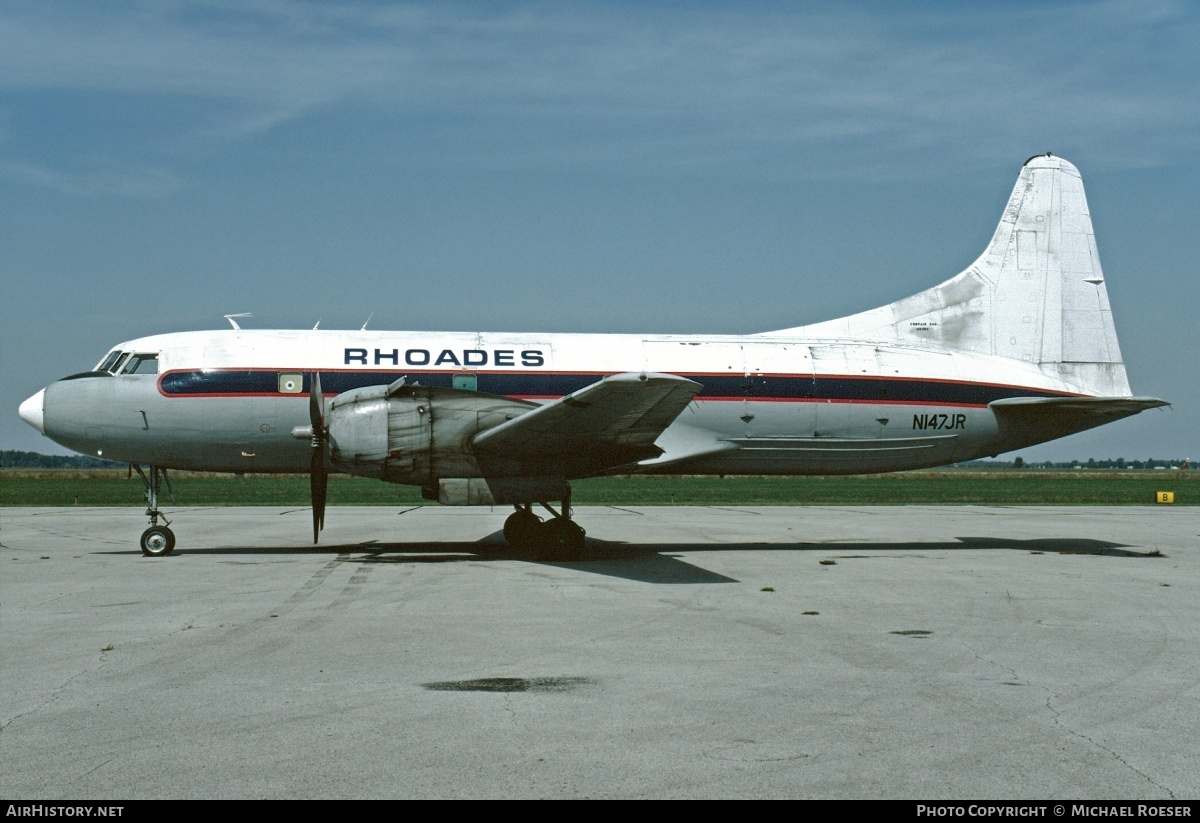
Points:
(157, 541)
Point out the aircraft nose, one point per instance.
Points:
(32, 411)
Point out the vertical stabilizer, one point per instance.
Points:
(1036, 294)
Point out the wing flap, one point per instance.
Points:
(622, 412)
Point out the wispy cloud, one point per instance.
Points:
(126, 182)
(596, 83)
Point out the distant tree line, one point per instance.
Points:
(33, 460)
(1090, 463)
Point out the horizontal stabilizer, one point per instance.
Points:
(622, 413)
(1101, 406)
(1028, 420)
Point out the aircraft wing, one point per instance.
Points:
(609, 423)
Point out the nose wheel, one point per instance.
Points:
(157, 541)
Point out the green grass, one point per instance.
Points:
(946, 487)
(1013, 488)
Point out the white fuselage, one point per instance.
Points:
(229, 400)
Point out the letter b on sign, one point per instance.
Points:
(1164, 497)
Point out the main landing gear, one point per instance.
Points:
(559, 538)
(157, 541)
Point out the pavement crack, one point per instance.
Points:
(1056, 716)
(53, 696)
(94, 768)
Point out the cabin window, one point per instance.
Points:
(291, 383)
(466, 382)
(142, 364)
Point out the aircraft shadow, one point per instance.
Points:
(661, 562)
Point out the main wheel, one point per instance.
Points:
(522, 528)
(158, 541)
(562, 538)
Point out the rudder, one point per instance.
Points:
(1036, 294)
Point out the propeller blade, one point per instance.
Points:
(318, 476)
(319, 483)
(316, 406)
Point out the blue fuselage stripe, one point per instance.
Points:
(546, 385)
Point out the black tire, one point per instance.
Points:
(158, 541)
(522, 528)
(562, 539)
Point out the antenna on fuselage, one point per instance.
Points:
(233, 322)
(368, 320)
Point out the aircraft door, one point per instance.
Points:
(848, 392)
(264, 442)
(830, 415)
(776, 389)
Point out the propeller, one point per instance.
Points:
(318, 474)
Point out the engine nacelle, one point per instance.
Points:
(412, 434)
(497, 491)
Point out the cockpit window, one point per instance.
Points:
(107, 363)
(122, 362)
(141, 364)
(116, 367)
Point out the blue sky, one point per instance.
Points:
(559, 166)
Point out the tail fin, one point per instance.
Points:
(1036, 294)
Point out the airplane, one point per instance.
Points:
(1017, 349)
